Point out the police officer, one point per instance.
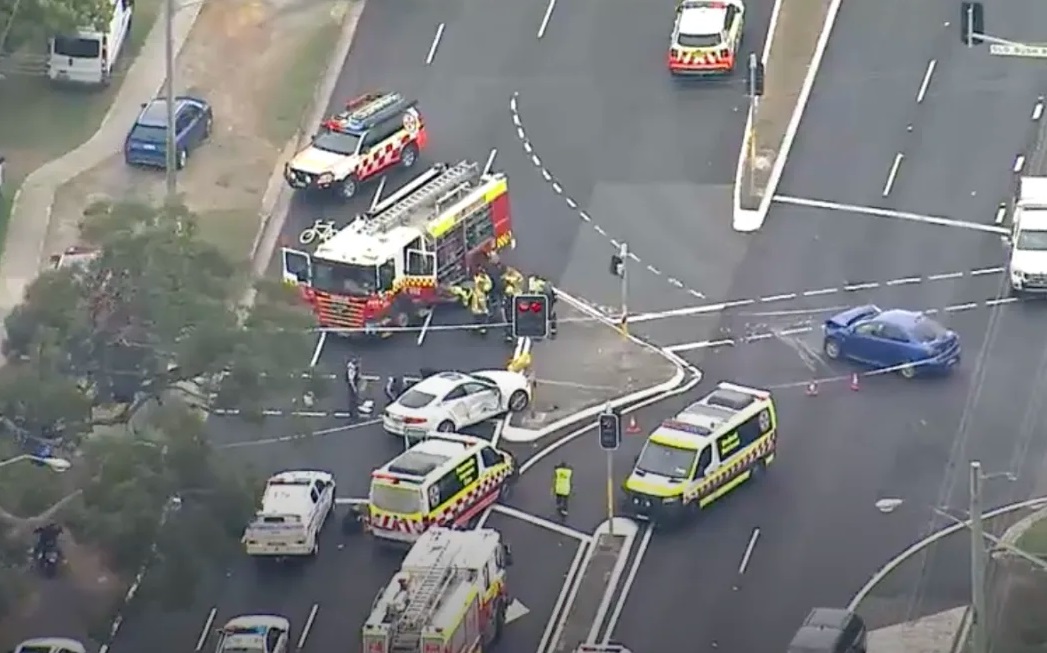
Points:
(478, 301)
(539, 286)
(562, 487)
(513, 285)
(352, 386)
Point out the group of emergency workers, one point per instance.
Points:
(491, 292)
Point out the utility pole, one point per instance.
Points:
(623, 252)
(171, 163)
(610, 427)
(754, 107)
(970, 25)
(979, 615)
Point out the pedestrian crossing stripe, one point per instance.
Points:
(366, 408)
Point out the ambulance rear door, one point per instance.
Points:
(297, 267)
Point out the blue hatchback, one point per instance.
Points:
(146, 143)
(907, 341)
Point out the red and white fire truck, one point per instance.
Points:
(450, 596)
(390, 266)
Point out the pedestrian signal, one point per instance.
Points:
(972, 22)
(610, 431)
(531, 316)
(754, 83)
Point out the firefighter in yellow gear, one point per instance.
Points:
(512, 285)
(538, 286)
(562, 487)
(478, 301)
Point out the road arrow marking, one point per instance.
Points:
(515, 611)
(887, 506)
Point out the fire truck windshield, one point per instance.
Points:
(345, 278)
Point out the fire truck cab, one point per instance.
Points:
(390, 266)
(449, 596)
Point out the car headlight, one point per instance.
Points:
(326, 178)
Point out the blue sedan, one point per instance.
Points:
(146, 143)
(909, 341)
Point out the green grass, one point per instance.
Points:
(1034, 540)
(298, 83)
(232, 231)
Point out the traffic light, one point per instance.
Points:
(617, 266)
(972, 23)
(531, 316)
(610, 431)
(754, 82)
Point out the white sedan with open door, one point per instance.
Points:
(450, 401)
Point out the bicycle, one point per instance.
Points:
(320, 232)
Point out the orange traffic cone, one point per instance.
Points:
(854, 382)
(633, 428)
(812, 389)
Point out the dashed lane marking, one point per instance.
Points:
(796, 331)
(889, 213)
(573, 204)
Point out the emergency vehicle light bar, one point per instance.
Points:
(702, 4)
(394, 477)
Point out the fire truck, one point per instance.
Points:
(448, 597)
(391, 265)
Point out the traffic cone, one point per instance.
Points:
(633, 428)
(854, 382)
(812, 389)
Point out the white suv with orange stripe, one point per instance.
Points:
(706, 37)
(375, 132)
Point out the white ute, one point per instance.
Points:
(295, 506)
(1027, 268)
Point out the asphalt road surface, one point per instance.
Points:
(843, 450)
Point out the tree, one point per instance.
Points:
(156, 311)
(25, 21)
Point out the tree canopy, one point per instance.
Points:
(153, 317)
(25, 21)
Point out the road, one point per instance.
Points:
(843, 450)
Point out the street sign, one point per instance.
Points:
(1019, 50)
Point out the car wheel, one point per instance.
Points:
(832, 348)
(908, 371)
(446, 426)
(409, 156)
(518, 401)
(183, 157)
(208, 126)
(348, 188)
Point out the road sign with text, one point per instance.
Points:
(1019, 50)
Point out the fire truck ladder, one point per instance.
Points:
(423, 601)
(431, 192)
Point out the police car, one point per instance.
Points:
(703, 453)
(450, 401)
(706, 37)
(263, 633)
(375, 132)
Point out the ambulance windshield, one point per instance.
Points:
(345, 278)
(664, 460)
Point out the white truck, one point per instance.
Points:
(1027, 267)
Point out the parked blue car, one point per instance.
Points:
(907, 340)
(146, 143)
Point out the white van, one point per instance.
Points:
(88, 56)
(295, 506)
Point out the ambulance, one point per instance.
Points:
(703, 453)
(295, 506)
(447, 479)
(450, 596)
(706, 37)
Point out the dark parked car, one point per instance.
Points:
(830, 630)
(146, 143)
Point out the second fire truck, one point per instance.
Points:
(390, 266)
(448, 597)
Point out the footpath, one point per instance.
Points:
(581, 619)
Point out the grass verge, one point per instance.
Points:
(231, 230)
(299, 80)
(1034, 540)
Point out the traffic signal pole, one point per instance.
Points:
(623, 252)
(970, 25)
(610, 469)
(979, 614)
(754, 107)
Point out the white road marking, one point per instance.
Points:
(490, 161)
(893, 174)
(961, 307)
(645, 541)
(926, 81)
(308, 625)
(300, 436)
(536, 161)
(947, 275)
(1019, 163)
(888, 213)
(207, 629)
(543, 523)
(527, 144)
(904, 281)
(568, 588)
(749, 550)
(498, 428)
(436, 44)
(545, 19)
(861, 286)
(795, 311)
(378, 193)
(599, 230)
(653, 270)
(584, 216)
(982, 271)
(319, 349)
(823, 291)
(778, 298)
(1037, 111)
(557, 188)
(631, 530)
(1001, 214)
(425, 327)
(571, 203)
